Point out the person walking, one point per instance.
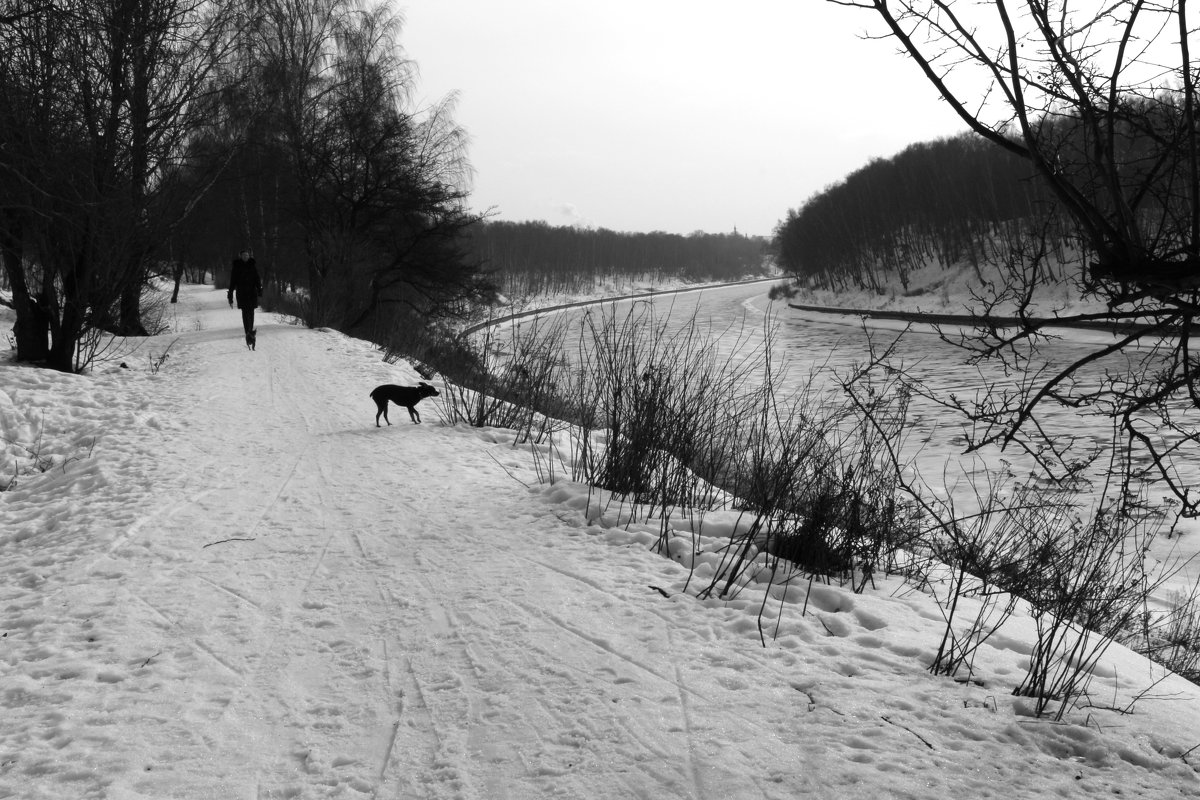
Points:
(245, 282)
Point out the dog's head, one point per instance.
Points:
(426, 390)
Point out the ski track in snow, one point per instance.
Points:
(229, 584)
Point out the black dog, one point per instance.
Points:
(407, 396)
(252, 339)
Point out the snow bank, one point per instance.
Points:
(227, 582)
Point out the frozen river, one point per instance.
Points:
(823, 346)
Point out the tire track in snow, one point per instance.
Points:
(688, 727)
(675, 769)
(413, 728)
(534, 725)
(268, 507)
(231, 592)
(447, 679)
(346, 564)
(392, 696)
(603, 645)
(562, 746)
(211, 653)
(667, 776)
(295, 678)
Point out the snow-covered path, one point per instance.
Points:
(301, 602)
(230, 584)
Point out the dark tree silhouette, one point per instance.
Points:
(531, 258)
(354, 201)
(96, 99)
(935, 203)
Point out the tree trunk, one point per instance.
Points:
(178, 270)
(33, 320)
(63, 340)
(129, 322)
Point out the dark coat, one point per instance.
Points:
(245, 283)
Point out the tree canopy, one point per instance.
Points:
(527, 258)
(142, 136)
(940, 202)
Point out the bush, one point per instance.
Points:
(1088, 586)
(1172, 638)
(512, 383)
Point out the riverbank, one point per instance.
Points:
(646, 294)
(964, 320)
(949, 308)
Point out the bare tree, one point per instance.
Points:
(356, 198)
(96, 100)
(1102, 102)
(11, 16)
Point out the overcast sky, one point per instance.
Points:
(672, 115)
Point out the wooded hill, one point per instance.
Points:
(531, 258)
(945, 202)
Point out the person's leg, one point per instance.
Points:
(248, 319)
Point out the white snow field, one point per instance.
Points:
(221, 580)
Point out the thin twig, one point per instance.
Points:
(509, 471)
(235, 539)
(924, 741)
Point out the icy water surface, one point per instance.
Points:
(822, 347)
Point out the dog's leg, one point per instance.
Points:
(413, 415)
(381, 409)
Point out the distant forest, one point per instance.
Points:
(530, 258)
(944, 202)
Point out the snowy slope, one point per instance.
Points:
(228, 583)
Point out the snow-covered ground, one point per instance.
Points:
(219, 579)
